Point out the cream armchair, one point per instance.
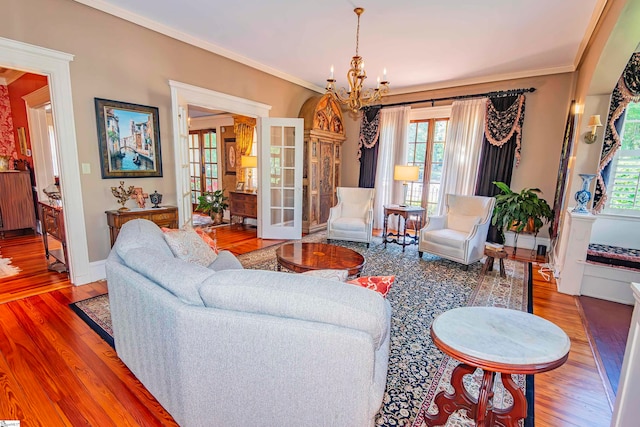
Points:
(461, 233)
(352, 218)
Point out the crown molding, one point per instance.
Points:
(194, 41)
(588, 34)
(484, 79)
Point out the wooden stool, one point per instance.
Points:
(491, 254)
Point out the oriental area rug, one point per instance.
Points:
(423, 289)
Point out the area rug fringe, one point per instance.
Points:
(6, 269)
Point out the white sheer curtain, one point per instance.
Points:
(392, 151)
(462, 149)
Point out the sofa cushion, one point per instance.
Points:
(349, 224)
(180, 278)
(380, 284)
(464, 223)
(140, 233)
(225, 261)
(298, 296)
(187, 245)
(445, 237)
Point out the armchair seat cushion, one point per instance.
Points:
(349, 224)
(446, 237)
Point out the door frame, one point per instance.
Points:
(186, 94)
(55, 65)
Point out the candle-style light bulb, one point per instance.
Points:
(378, 87)
(384, 74)
(331, 76)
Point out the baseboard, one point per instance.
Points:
(608, 283)
(526, 241)
(97, 270)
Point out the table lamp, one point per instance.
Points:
(249, 162)
(405, 174)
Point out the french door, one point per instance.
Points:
(280, 171)
(203, 162)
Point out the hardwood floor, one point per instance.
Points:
(55, 371)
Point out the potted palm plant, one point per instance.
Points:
(213, 203)
(520, 212)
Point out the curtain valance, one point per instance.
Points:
(626, 91)
(500, 126)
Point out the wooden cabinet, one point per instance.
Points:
(16, 202)
(164, 216)
(52, 217)
(243, 205)
(323, 138)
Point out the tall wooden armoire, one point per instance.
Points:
(323, 138)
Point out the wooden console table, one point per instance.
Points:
(52, 217)
(244, 205)
(164, 216)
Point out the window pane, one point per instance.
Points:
(436, 173)
(423, 130)
(438, 152)
(411, 135)
(421, 153)
(441, 130)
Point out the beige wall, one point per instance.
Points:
(543, 129)
(118, 60)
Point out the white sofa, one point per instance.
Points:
(460, 234)
(241, 347)
(351, 218)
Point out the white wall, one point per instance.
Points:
(616, 230)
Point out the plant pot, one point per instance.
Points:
(216, 217)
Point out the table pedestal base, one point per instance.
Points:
(481, 409)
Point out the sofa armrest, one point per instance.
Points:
(299, 297)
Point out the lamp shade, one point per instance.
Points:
(406, 173)
(248, 162)
(594, 121)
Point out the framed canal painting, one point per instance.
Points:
(129, 138)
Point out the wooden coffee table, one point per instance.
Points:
(301, 257)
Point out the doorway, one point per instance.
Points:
(55, 65)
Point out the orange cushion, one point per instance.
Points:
(208, 240)
(380, 284)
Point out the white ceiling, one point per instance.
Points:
(424, 44)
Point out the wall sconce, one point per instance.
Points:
(594, 124)
(405, 173)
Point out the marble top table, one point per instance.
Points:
(497, 340)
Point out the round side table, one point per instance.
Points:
(497, 340)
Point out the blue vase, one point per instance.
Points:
(583, 195)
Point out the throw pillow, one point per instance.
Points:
(208, 240)
(188, 246)
(380, 284)
(337, 275)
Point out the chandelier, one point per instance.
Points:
(357, 97)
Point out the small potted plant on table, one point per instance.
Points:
(213, 203)
(518, 212)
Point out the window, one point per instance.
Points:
(624, 181)
(203, 162)
(425, 142)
